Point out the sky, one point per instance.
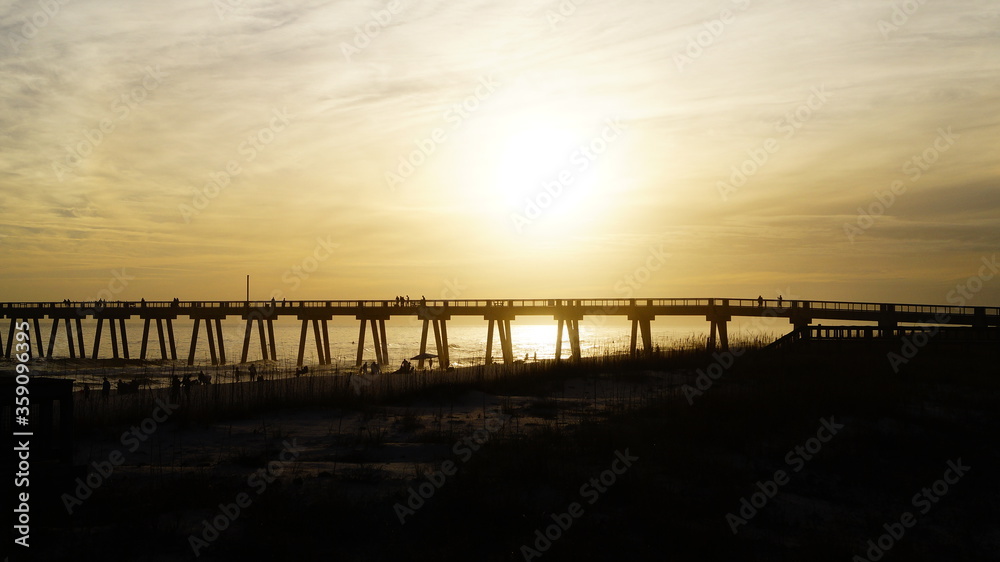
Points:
(500, 149)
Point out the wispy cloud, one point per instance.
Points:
(112, 116)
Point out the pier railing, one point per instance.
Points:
(814, 306)
(943, 312)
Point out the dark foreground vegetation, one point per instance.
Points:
(679, 462)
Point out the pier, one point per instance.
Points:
(885, 318)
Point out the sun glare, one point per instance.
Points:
(528, 159)
(546, 179)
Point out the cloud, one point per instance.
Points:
(113, 117)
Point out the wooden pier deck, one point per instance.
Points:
(435, 314)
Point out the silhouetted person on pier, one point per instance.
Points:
(760, 301)
(779, 301)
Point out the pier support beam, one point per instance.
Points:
(320, 354)
(38, 336)
(72, 340)
(719, 317)
(34, 341)
(641, 326)
(361, 344)
(10, 338)
(320, 335)
(124, 336)
(162, 338)
(440, 327)
(441, 338)
(212, 332)
(267, 345)
(506, 342)
(114, 338)
(52, 337)
(97, 338)
(489, 342)
(559, 339)
(572, 326)
(163, 343)
(423, 343)
(79, 338)
(220, 343)
(170, 338)
(379, 341)
(718, 328)
(270, 336)
(718, 334)
(326, 359)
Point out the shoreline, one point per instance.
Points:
(156, 373)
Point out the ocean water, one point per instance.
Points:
(467, 341)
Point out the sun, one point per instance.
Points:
(528, 159)
(543, 179)
(538, 174)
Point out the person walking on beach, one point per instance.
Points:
(86, 390)
(106, 388)
(364, 368)
(175, 388)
